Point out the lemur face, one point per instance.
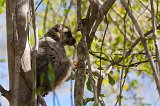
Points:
(64, 35)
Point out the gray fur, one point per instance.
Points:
(51, 51)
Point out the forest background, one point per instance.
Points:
(116, 50)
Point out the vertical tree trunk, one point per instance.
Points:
(17, 27)
(80, 76)
(87, 27)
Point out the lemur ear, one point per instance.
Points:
(58, 27)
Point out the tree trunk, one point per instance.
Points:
(19, 53)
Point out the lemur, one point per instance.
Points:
(52, 54)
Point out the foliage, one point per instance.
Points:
(2, 60)
(2, 6)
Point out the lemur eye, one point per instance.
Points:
(69, 34)
(56, 28)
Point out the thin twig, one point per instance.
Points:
(78, 12)
(90, 74)
(143, 40)
(136, 43)
(142, 12)
(66, 15)
(118, 62)
(96, 72)
(35, 29)
(100, 78)
(155, 35)
(38, 5)
(123, 62)
(144, 5)
(157, 12)
(34, 55)
(146, 8)
(118, 14)
(45, 17)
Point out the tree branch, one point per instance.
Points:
(38, 5)
(135, 43)
(5, 93)
(90, 73)
(91, 14)
(80, 76)
(66, 15)
(41, 101)
(82, 46)
(34, 55)
(155, 35)
(100, 16)
(123, 62)
(78, 13)
(45, 16)
(143, 40)
(100, 79)
(97, 72)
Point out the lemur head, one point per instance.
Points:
(61, 34)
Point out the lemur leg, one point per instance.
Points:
(62, 72)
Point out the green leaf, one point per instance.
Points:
(2, 6)
(51, 74)
(65, 11)
(41, 78)
(38, 90)
(87, 100)
(145, 0)
(103, 95)
(2, 60)
(111, 80)
(133, 83)
(89, 87)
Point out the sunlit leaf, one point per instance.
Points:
(89, 87)
(85, 101)
(111, 80)
(103, 95)
(105, 82)
(126, 87)
(145, 0)
(133, 83)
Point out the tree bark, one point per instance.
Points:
(18, 49)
